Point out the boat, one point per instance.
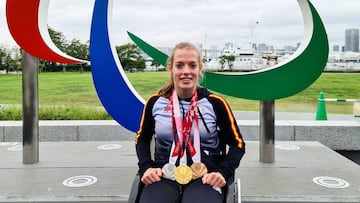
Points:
(343, 61)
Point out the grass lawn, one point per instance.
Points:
(73, 88)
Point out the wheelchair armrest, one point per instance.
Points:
(135, 190)
(234, 192)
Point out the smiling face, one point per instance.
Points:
(185, 71)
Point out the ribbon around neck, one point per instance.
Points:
(182, 130)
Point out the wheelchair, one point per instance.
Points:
(232, 190)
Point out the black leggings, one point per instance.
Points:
(167, 191)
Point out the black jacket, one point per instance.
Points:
(217, 126)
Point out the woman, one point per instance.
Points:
(191, 127)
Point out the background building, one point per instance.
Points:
(352, 40)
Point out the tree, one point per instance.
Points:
(10, 59)
(229, 59)
(72, 48)
(3, 54)
(130, 57)
(78, 50)
(12, 62)
(222, 61)
(58, 38)
(156, 64)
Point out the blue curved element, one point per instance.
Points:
(114, 90)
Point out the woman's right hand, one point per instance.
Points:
(151, 175)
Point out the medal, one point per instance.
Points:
(168, 171)
(183, 174)
(198, 170)
(182, 143)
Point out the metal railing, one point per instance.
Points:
(321, 108)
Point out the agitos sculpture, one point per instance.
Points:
(115, 91)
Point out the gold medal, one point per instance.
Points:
(198, 170)
(183, 174)
(168, 171)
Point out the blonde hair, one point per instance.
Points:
(167, 89)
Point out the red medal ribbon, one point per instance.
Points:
(186, 128)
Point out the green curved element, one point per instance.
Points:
(154, 53)
(288, 78)
(285, 79)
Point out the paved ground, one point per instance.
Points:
(289, 179)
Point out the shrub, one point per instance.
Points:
(66, 112)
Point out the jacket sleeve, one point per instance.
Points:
(229, 134)
(144, 137)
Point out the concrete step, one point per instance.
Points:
(335, 134)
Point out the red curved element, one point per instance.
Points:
(23, 18)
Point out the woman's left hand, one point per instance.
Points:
(214, 179)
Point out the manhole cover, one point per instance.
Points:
(331, 182)
(15, 148)
(80, 181)
(287, 147)
(109, 147)
(8, 143)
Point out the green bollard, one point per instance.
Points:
(321, 108)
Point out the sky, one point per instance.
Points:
(163, 23)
